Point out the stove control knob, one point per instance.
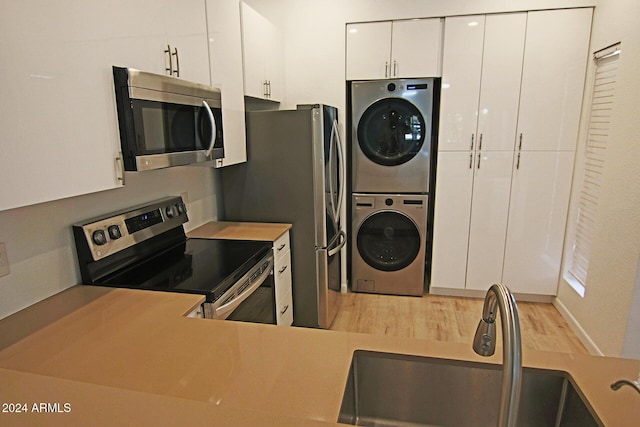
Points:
(171, 211)
(99, 237)
(182, 208)
(114, 232)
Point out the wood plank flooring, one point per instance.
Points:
(444, 318)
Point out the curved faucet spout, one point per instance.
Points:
(484, 343)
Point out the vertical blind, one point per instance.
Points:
(606, 68)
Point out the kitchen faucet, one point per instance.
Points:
(635, 384)
(484, 343)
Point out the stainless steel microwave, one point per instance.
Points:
(165, 121)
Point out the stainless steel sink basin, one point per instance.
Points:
(385, 389)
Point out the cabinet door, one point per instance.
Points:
(489, 213)
(262, 57)
(416, 48)
(454, 182)
(537, 217)
(186, 25)
(368, 50)
(225, 53)
(253, 51)
(500, 85)
(60, 130)
(461, 71)
(553, 77)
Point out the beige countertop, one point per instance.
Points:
(121, 354)
(240, 231)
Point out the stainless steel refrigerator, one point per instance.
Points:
(295, 174)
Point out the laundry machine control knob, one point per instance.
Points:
(391, 87)
(388, 202)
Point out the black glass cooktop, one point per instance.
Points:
(200, 266)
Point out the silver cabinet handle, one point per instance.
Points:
(282, 270)
(214, 131)
(281, 247)
(518, 162)
(268, 88)
(479, 159)
(177, 70)
(480, 143)
(386, 69)
(470, 160)
(395, 68)
(168, 52)
(120, 167)
(520, 144)
(472, 137)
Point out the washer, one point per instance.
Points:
(392, 132)
(389, 246)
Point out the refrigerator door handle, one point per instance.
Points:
(341, 170)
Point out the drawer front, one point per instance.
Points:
(282, 275)
(281, 246)
(284, 310)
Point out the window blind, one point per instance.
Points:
(604, 82)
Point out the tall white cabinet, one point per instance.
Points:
(394, 49)
(502, 219)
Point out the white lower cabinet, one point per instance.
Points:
(471, 211)
(537, 218)
(489, 215)
(503, 222)
(282, 280)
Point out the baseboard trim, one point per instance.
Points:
(474, 293)
(577, 329)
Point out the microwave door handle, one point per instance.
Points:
(224, 310)
(212, 121)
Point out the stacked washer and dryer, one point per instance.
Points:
(392, 134)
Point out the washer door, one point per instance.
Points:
(388, 241)
(391, 131)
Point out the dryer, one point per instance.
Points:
(389, 243)
(392, 132)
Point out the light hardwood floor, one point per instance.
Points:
(454, 319)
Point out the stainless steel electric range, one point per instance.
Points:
(145, 247)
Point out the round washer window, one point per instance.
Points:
(388, 241)
(391, 131)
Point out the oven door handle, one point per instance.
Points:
(212, 121)
(225, 310)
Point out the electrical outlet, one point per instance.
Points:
(4, 260)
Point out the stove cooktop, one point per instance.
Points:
(197, 266)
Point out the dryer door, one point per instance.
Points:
(388, 241)
(391, 131)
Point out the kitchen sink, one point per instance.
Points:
(385, 389)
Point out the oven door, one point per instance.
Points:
(250, 299)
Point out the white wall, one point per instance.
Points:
(605, 313)
(39, 239)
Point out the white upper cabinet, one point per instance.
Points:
(553, 78)
(262, 56)
(394, 49)
(186, 27)
(60, 128)
(225, 54)
(482, 65)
